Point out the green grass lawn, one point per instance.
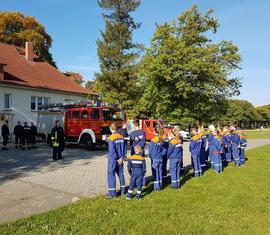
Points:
(257, 134)
(234, 202)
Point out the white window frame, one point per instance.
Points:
(9, 101)
(36, 102)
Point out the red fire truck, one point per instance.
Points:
(148, 125)
(83, 124)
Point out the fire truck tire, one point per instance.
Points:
(88, 142)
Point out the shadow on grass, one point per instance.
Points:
(186, 175)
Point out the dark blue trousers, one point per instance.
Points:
(175, 169)
(115, 168)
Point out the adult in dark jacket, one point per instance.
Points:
(5, 135)
(18, 132)
(58, 141)
(33, 135)
(26, 136)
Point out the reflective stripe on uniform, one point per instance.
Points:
(129, 191)
(110, 189)
(136, 162)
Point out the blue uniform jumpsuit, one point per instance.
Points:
(175, 154)
(235, 142)
(116, 146)
(138, 137)
(137, 169)
(195, 150)
(203, 153)
(210, 149)
(226, 139)
(156, 153)
(216, 156)
(165, 158)
(243, 145)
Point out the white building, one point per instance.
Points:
(26, 82)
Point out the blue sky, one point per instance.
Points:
(75, 25)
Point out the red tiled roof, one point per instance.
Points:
(35, 74)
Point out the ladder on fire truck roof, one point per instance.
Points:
(69, 105)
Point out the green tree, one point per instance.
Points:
(76, 77)
(264, 112)
(241, 111)
(186, 75)
(16, 29)
(118, 55)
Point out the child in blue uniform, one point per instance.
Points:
(195, 150)
(226, 139)
(211, 129)
(156, 153)
(165, 158)
(235, 143)
(203, 149)
(116, 154)
(216, 152)
(137, 137)
(242, 148)
(175, 154)
(137, 169)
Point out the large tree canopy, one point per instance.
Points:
(16, 29)
(118, 55)
(184, 74)
(240, 111)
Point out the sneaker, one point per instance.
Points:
(138, 196)
(129, 196)
(111, 197)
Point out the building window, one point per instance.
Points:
(36, 101)
(7, 101)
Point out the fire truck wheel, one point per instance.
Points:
(88, 142)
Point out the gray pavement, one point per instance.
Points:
(30, 182)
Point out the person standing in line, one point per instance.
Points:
(216, 152)
(18, 132)
(116, 154)
(33, 135)
(123, 131)
(26, 137)
(226, 140)
(242, 148)
(156, 153)
(138, 138)
(137, 169)
(235, 143)
(5, 135)
(58, 141)
(175, 154)
(203, 149)
(212, 130)
(195, 149)
(165, 138)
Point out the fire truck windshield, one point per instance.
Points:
(112, 114)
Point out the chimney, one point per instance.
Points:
(29, 54)
(2, 72)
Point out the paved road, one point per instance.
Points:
(30, 182)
